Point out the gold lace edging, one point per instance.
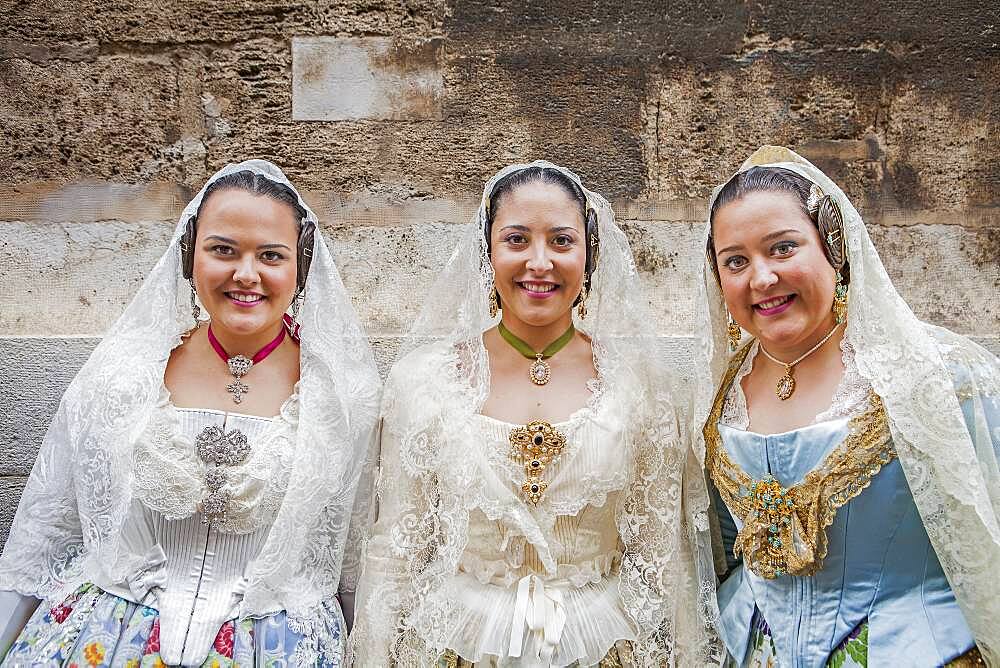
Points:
(784, 529)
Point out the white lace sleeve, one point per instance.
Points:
(40, 556)
(361, 518)
(384, 590)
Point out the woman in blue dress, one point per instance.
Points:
(852, 448)
(191, 501)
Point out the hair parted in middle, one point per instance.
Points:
(538, 174)
(257, 184)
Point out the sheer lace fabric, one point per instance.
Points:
(446, 482)
(932, 383)
(849, 399)
(170, 478)
(69, 526)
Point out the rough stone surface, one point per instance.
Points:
(347, 79)
(10, 492)
(113, 114)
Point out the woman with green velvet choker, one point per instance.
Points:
(531, 503)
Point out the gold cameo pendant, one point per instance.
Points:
(786, 385)
(539, 371)
(535, 446)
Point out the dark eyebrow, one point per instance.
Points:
(562, 228)
(520, 228)
(233, 242)
(766, 237)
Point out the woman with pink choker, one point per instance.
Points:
(191, 501)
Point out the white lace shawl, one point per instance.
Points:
(68, 525)
(925, 375)
(426, 483)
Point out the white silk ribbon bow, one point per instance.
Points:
(542, 611)
(150, 574)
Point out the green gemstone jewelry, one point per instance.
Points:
(539, 372)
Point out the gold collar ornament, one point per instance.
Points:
(784, 528)
(786, 384)
(535, 446)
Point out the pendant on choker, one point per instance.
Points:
(239, 365)
(540, 371)
(535, 446)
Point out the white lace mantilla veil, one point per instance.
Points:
(667, 576)
(924, 375)
(68, 526)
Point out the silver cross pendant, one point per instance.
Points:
(237, 388)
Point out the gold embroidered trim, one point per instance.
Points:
(784, 529)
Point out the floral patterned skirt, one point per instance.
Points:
(618, 656)
(852, 652)
(95, 628)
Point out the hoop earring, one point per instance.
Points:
(494, 303)
(733, 332)
(195, 309)
(840, 300)
(581, 309)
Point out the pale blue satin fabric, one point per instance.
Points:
(880, 566)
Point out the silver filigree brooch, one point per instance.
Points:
(217, 448)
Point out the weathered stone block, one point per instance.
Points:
(10, 494)
(337, 79)
(34, 373)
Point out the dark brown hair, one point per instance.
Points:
(826, 217)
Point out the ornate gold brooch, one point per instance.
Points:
(535, 446)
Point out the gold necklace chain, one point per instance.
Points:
(786, 384)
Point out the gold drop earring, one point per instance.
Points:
(581, 308)
(733, 332)
(494, 303)
(840, 300)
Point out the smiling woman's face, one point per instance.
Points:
(244, 261)
(776, 280)
(539, 254)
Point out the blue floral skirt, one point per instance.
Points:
(95, 628)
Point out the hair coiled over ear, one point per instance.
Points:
(830, 223)
(258, 185)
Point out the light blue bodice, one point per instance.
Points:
(880, 566)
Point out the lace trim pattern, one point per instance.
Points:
(784, 529)
(170, 478)
(850, 397)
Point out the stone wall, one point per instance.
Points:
(391, 114)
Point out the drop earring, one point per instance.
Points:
(840, 300)
(733, 332)
(195, 309)
(494, 303)
(581, 308)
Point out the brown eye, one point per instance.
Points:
(734, 262)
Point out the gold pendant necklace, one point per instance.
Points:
(786, 384)
(539, 372)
